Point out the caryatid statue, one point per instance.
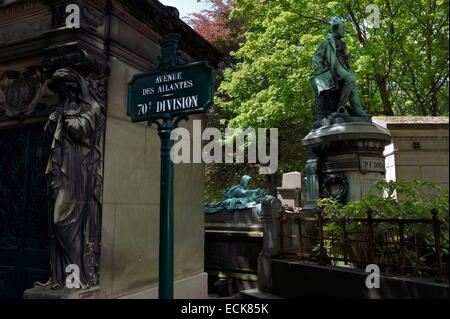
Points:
(74, 174)
(332, 70)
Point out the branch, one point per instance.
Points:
(313, 18)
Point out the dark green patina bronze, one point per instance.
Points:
(343, 145)
(238, 197)
(188, 89)
(334, 81)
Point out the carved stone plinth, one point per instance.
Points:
(344, 161)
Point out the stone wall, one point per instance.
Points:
(300, 279)
(419, 149)
(130, 235)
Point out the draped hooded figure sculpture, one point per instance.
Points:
(238, 197)
(74, 174)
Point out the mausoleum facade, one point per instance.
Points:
(39, 53)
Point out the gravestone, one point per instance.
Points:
(290, 192)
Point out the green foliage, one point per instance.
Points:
(394, 199)
(398, 200)
(402, 67)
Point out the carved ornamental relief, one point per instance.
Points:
(24, 94)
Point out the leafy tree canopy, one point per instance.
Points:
(402, 66)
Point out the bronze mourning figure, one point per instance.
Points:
(74, 174)
(238, 197)
(334, 82)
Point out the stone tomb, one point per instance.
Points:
(116, 40)
(233, 241)
(418, 149)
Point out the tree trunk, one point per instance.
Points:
(434, 100)
(433, 89)
(382, 87)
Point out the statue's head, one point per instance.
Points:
(66, 82)
(245, 180)
(337, 27)
(69, 84)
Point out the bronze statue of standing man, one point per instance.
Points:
(332, 70)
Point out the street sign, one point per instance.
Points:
(170, 93)
(179, 90)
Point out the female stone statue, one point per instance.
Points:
(75, 179)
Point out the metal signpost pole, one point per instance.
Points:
(166, 206)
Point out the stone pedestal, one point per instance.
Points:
(345, 159)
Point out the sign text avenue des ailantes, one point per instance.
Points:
(179, 90)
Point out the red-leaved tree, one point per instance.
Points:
(216, 25)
